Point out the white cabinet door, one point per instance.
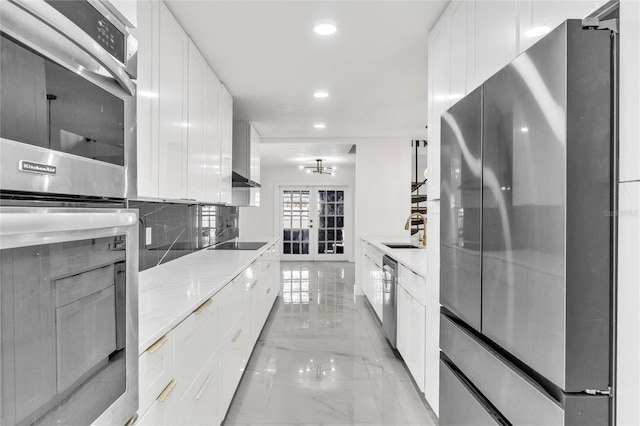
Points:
(403, 324)
(148, 37)
(196, 145)
(377, 284)
(172, 108)
(417, 342)
(495, 37)
(410, 339)
(250, 306)
(233, 360)
(226, 144)
(212, 137)
(254, 157)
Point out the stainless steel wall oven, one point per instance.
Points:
(68, 311)
(67, 99)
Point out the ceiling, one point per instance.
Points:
(265, 52)
(305, 154)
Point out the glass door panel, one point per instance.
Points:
(330, 222)
(296, 222)
(313, 223)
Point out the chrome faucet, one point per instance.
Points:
(422, 239)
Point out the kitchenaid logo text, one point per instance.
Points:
(30, 166)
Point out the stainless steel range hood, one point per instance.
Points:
(238, 181)
(246, 165)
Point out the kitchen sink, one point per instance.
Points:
(401, 246)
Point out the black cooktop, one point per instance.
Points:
(234, 245)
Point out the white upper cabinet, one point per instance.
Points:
(147, 34)
(495, 34)
(439, 92)
(536, 16)
(212, 122)
(254, 157)
(184, 115)
(173, 107)
(226, 144)
(196, 146)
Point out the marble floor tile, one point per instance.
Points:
(322, 359)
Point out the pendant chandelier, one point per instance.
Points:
(319, 168)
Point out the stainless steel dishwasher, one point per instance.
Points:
(389, 284)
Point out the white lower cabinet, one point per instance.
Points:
(410, 338)
(189, 376)
(373, 277)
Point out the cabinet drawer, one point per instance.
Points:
(413, 283)
(202, 402)
(196, 342)
(155, 370)
(233, 360)
(164, 408)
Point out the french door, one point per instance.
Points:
(313, 223)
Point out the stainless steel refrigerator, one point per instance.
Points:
(526, 251)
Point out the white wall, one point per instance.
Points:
(383, 191)
(262, 221)
(471, 41)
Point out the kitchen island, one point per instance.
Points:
(199, 318)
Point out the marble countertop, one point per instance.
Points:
(414, 259)
(168, 293)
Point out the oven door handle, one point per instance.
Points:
(79, 40)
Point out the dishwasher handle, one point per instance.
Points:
(390, 272)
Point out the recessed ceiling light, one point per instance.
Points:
(319, 125)
(537, 31)
(320, 94)
(325, 27)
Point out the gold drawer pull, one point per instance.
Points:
(407, 293)
(235, 336)
(165, 393)
(204, 387)
(237, 277)
(269, 290)
(268, 266)
(161, 341)
(132, 419)
(202, 307)
(254, 284)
